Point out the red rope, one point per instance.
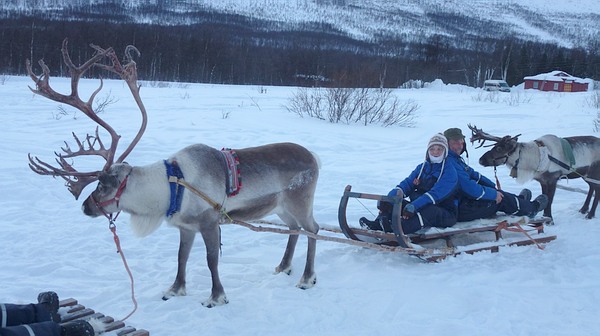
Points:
(498, 187)
(113, 229)
(515, 227)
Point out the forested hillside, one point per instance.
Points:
(202, 42)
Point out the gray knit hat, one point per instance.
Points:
(438, 139)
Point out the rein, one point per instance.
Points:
(113, 228)
(498, 186)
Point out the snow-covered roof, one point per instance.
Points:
(555, 76)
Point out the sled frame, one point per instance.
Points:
(398, 238)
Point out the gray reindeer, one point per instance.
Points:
(546, 160)
(189, 189)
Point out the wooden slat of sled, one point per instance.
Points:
(79, 312)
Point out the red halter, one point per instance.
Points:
(116, 199)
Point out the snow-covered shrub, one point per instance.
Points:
(353, 105)
(516, 98)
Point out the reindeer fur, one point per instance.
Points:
(277, 179)
(530, 161)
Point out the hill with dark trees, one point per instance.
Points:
(304, 42)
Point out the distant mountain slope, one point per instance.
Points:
(568, 23)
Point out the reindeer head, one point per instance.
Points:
(92, 144)
(500, 151)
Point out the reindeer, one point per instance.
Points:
(278, 178)
(546, 161)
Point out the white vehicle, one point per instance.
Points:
(496, 85)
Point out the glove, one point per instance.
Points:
(408, 211)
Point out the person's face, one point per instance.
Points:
(456, 145)
(436, 150)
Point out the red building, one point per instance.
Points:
(556, 80)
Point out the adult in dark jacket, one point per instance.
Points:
(477, 194)
(430, 192)
(39, 319)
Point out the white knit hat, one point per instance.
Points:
(438, 139)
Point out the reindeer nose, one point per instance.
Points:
(88, 209)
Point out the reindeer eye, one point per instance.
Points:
(106, 180)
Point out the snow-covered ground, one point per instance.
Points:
(49, 244)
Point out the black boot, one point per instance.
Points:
(525, 194)
(386, 223)
(50, 301)
(539, 203)
(76, 328)
(371, 225)
(381, 223)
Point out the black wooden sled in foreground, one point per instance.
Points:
(75, 311)
(466, 237)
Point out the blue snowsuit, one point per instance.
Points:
(431, 188)
(477, 194)
(25, 320)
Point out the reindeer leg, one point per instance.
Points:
(586, 205)
(285, 265)
(549, 189)
(309, 278)
(186, 241)
(212, 239)
(592, 212)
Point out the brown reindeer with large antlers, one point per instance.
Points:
(278, 178)
(546, 160)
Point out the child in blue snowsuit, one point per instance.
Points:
(430, 191)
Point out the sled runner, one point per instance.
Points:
(75, 311)
(467, 237)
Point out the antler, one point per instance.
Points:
(92, 145)
(479, 135)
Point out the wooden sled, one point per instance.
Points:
(523, 232)
(75, 311)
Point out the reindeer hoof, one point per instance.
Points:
(173, 292)
(306, 284)
(212, 302)
(286, 270)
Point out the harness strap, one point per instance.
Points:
(202, 195)
(560, 163)
(568, 151)
(233, 180)
(174, 174)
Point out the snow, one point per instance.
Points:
(49, 244)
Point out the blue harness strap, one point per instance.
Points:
(174, 174)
